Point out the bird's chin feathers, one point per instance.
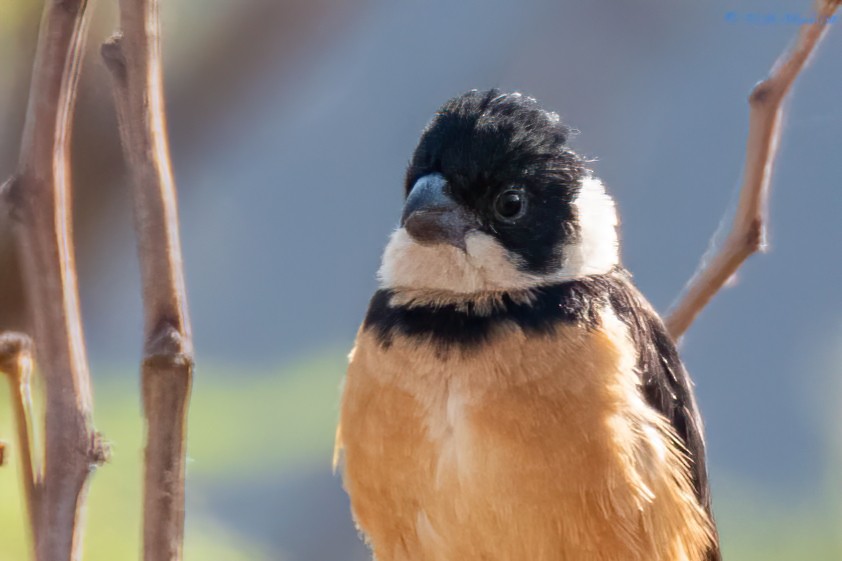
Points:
(485, 267)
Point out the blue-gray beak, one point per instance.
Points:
(431, 216)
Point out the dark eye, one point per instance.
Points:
(510, 205)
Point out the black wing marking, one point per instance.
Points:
(664, 381)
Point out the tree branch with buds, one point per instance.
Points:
(748, 232)
(134, 58)
(38, 199)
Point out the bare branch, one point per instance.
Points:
(134, 58)
(39, 197)
(748, 233)
(16, 363)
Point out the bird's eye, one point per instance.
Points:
(510, 205)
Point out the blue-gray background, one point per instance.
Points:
(289, 159)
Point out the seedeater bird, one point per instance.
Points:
(511, 396)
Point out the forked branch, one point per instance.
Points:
(16, 364)
(38, 197)
(134, 59)
(748, 232)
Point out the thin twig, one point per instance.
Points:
(748, 233)
(134, 58)
(16, 363)
(39, 200)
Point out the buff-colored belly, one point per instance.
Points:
(460, 458)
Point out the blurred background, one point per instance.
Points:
(291, 122)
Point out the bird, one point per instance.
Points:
(511, 395)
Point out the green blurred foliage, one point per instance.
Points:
(245, 423)
(11, 13)
(242, 424)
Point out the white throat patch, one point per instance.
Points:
(486, 266)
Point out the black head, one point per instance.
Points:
(505, 159)
(496, 168)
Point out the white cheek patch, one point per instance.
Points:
(596, 250)
(485, 266)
